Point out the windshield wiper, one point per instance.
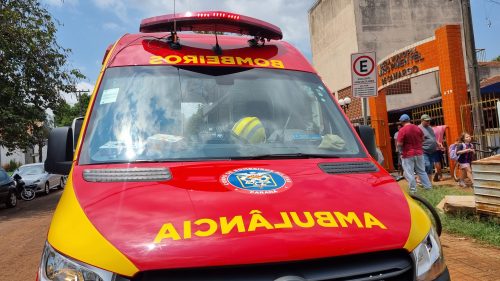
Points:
(286, 156)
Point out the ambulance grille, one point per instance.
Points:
(381, 266)
(127, 175)
(348, 167)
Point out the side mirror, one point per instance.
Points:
(76, 127)
(367, 136)
(59, 151)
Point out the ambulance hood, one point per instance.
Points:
(243, 212)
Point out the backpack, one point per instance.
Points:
(452, 152)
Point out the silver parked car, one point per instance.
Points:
(35, 175)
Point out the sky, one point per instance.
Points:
(88, 27)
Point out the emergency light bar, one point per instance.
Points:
(214, 21)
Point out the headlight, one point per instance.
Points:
(56, 267)
(37, 181)
(428, 256)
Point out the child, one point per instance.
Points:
(465, 151)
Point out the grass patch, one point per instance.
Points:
(484, 229)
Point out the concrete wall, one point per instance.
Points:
(488, 69)
(333, 40)
(389, 25)
(378, 25)
(21, 157)
(17, 156)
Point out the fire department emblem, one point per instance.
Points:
(256, 181)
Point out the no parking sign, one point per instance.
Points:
(364, 75)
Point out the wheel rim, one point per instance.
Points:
(28, 194)
(13, 199)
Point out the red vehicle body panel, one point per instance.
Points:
(137, 49)
(130, 215)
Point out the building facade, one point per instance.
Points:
(421, 66)
(341, 27)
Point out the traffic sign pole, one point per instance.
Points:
(364, 78)
(365, 111)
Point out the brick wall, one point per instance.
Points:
(355, 110)
(445, 52)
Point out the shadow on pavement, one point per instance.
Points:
(41, 205)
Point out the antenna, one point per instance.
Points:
(217, 49)
(173, 39)
(175, 23)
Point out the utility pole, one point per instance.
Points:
(472, 67)
(78, 98)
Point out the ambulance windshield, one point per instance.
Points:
(164, 113)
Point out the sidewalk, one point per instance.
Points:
(468, 260)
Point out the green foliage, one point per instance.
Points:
(11, 166)
(32, 72)
(481, 228)
(65, 113)
(194, 123)
(484, 229)
(496, 59)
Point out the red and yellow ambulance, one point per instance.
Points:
(208, 156)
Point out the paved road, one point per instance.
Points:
(23, 231)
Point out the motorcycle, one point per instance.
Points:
(25, 192)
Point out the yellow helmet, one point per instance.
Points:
(250, 129)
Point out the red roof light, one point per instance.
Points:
(215, 21)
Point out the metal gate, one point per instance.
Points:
(491, 115)
(435, 111)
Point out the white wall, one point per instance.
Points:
(20, 157)
(17, 156)
(424, 88)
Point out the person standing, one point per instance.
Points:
(429, 145)
(398, 151)
(410, 139)
(438, 154)
(465, 152)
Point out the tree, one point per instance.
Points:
(496, 59)
(65, 113)
(33, 72)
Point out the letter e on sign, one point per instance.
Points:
(364, 74)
